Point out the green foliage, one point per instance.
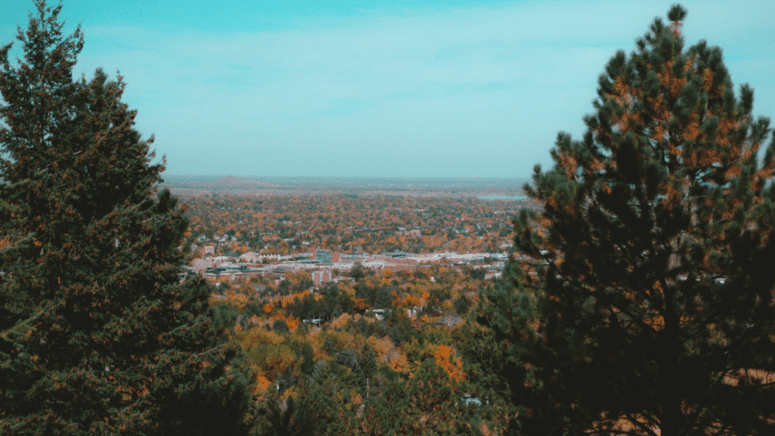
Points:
(427, 404)
(331, 391)
(224, 316)
(462, 305)
(280, 326)
(304, 352)
(476, 273)
(358, 272)
(98, 334)
(400, 328)
(644, 303)
(291, 420)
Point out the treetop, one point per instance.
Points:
(677, 13)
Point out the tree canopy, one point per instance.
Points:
(644, 301)
(98, 333)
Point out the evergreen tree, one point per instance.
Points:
(98, 334)
(426, 404)
(293, 420)
(645, 302)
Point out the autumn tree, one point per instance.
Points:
(644, 305)
(98, 335)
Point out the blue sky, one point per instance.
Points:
(386, 88)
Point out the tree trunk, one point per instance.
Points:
(669, 380)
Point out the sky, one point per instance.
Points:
(400, 88)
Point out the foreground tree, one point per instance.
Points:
(644, 304)
(98, 335)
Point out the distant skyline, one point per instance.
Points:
(384, 88)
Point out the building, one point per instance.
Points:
(200, 265)
(320, 277)
(326, 256)
(410, 233)
(251, 257)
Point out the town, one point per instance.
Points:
(327, 236)
(326, 266)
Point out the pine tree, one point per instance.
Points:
(644, 304)
(98, 334)
(426, 404)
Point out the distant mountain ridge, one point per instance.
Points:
(234, 182)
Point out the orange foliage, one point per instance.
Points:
(360, 304)
(262, 386)
(410, 302)
(287, 300)
(291, 321)
(443, 357)
(400, 364)
(395, 298)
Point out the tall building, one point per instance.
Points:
(319, 277)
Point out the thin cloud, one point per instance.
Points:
(478, 91)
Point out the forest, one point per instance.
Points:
(371, 337)
(351, 356)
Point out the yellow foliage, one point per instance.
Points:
(239, 300)
(347, 288)
(383, 347)
(400, 365)
(266, 353)
(340, 321)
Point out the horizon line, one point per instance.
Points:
(345, 177)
